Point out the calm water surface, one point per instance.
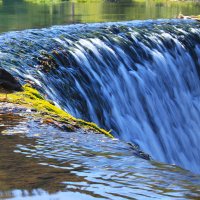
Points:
(44, 163)
(18, 14)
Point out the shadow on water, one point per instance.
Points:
(39, 161)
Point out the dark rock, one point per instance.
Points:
(137, 152)
(68, 128)
(8, 82)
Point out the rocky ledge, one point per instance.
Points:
(31, 102)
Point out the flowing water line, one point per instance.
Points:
(140, 81)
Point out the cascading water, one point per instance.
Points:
(139, 79)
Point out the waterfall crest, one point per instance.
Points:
(140, 81)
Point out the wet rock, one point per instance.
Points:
(46, 62)
(8, 82)
(33, 110)
(137, 152)
(68, 128)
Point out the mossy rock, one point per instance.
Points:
(50, 113)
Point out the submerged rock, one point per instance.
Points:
(8, 82)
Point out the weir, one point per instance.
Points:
(138, 79)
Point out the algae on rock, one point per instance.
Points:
(31, 98)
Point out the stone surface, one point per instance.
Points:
(8, 82)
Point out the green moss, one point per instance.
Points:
(93, 126)
(31, 98)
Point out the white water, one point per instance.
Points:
(141, 82)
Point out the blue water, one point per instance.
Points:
(38, 161)
(138, 79)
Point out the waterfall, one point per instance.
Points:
(138, 79)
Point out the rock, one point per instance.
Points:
(68, 128)
(138, 152)
(8, 82)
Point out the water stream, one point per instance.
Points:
(40, 162)
(138, 79)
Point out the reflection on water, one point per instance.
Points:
(21, 14)
(81, 166)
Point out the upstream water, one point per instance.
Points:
(24, 14)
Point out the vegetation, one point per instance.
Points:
(58, 1)
(44, 1)
(32, 99)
